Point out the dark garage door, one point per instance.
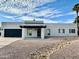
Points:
(13, 33)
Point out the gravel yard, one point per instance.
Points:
(21, 49)
(69, 52)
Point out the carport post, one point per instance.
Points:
(23, 33)
(2, 33)
(42, 33)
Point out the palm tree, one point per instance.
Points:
(77, 18)
(76, 8)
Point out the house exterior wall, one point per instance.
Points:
(0, 28)
(52, 26)
(54, 29)
(11, 25)
(26, 32)
(34, 32)
(0, 24)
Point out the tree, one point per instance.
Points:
(76, 8)
(77, 18)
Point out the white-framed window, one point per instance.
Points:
(48, 31)
(61, 30)
(29, 32)
(0, 33)
(71, 30)
(1, 28)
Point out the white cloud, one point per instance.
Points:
(71, 21)
(46, 12)
(38, 19)
(42, 12)
(26, 18)
(41, 2)
(46, 20)
(54, 12)
(54, 16)
(60, 14)
(1, 1)
(14, 10)
(68, 21)
(24, 5)
(9, 16)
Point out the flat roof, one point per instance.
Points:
(33, 26)
(33, 22)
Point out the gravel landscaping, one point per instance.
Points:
(52, 48)
(69, 52)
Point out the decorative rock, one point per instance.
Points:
(45, 52)
(34, 56)
(43, 56)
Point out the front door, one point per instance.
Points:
(38, 32)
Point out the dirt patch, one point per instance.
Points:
(69, 52)
(22, 48)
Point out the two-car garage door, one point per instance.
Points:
(13, 33)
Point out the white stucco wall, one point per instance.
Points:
(52, 26)
(0, 24)
(54, 29)
(11, 25)
(34, 33)
(0, 27)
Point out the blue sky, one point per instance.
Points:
(50, 11)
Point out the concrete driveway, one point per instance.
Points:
(7, 41)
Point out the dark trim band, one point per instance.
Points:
(33, 26)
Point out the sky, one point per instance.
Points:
(49, 11)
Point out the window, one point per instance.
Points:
(0, 33)
(63, 30)
(30, 32)
(1, 28)
(48, 31)
(58, 30)
(71, 30)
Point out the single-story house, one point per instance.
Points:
(38, 29)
